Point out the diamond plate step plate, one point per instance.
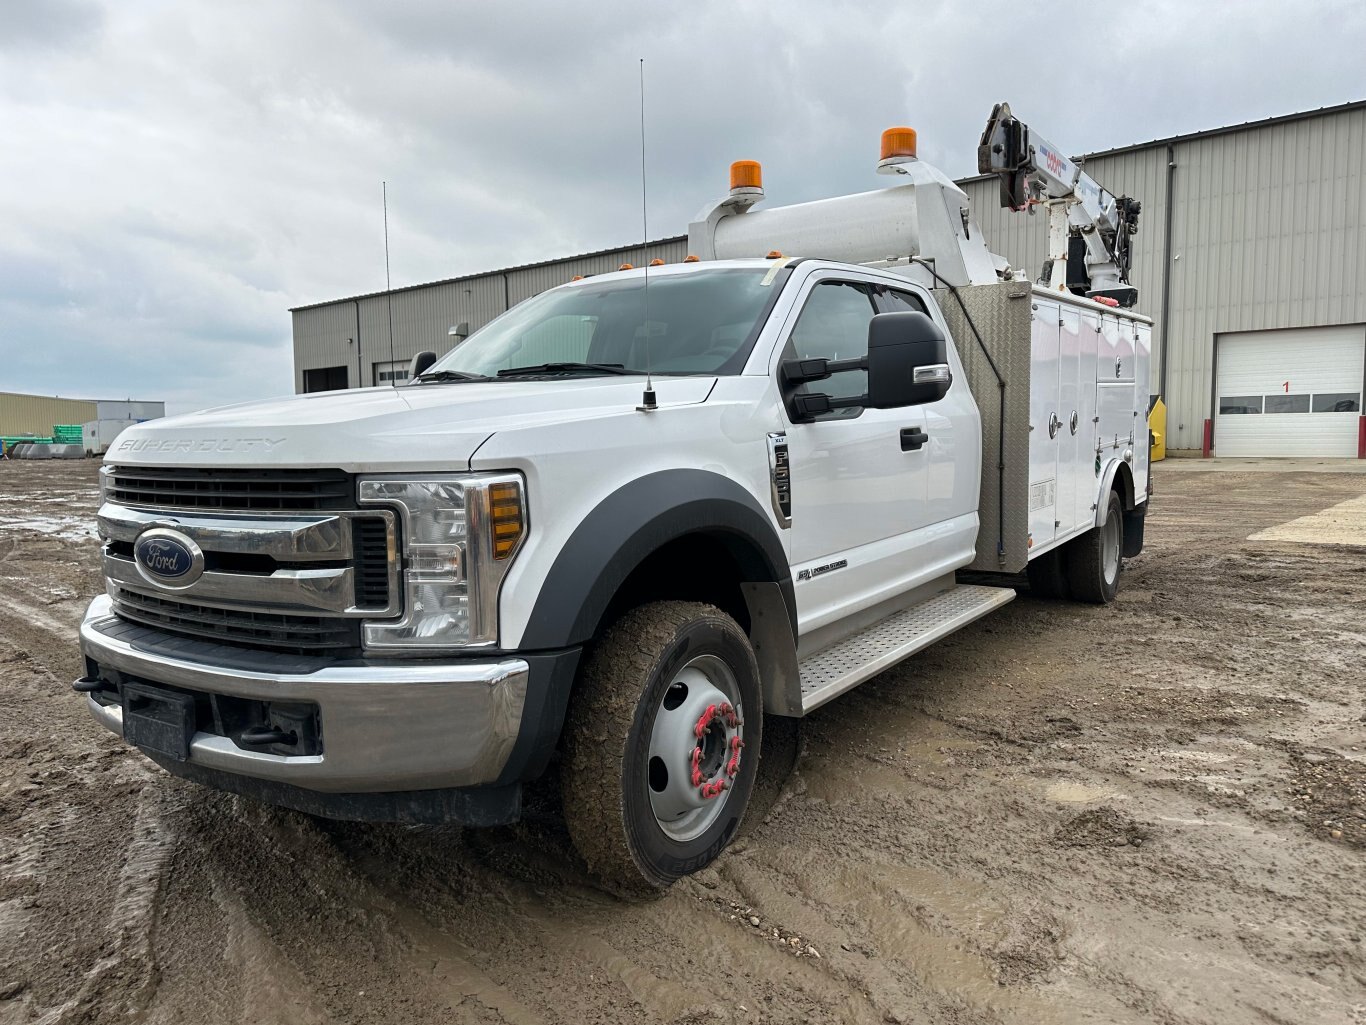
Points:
(831, 672)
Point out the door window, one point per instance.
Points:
(1337, 402)
(1239, 404)
(833, 325)
(902, 302)
(1286, 403)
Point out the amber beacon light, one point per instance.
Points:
(898, 142)
(746, 174)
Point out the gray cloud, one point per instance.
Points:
(49, 24)
(177, 176)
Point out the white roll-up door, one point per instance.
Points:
(1296, 392)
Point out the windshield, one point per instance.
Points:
(700, 322)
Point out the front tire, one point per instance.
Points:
(1093, 559)
(662, 744)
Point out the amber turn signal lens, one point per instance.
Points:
(505, 514)
(898, 142)
(746, 174)
(656, 262)
(625, 266)
(690, 258)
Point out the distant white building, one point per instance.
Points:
(38, 414)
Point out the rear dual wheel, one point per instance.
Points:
(1093, 559)
(662, 744)
(1086, 569)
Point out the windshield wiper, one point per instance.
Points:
(560, 368)
(451, 375)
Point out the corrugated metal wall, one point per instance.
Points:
(1268, 231)
(37, 414)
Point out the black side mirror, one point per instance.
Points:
(421, 363)
(908, 361)
(907, 364)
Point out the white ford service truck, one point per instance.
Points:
(634, 515)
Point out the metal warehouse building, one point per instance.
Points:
(38, 414)
(1249, 258)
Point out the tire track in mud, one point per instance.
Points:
(922, 832)
(448, 964)
(922, 942)
(270, 989)
(123, 980)
(681, 927)
(561, 920)
(511, 895)
(555, 918)
(18, 613)
(309, 931)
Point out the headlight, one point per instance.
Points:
(460, 534)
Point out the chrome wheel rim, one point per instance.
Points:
(1109, 551)
(695, 748)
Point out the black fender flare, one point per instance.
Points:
(633, 522)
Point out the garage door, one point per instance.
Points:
(1290, 393)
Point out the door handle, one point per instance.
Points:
(912, 438)
(1054, 425)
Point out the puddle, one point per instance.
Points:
(67, 528)
(1072, 792)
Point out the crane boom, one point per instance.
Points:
(1088, 227)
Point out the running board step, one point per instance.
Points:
(829, 673)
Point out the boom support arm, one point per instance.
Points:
(1086, 223)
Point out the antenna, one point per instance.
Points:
(388, 282)
(647, 401)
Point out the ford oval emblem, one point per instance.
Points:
(168, 558)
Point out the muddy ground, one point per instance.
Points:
(1153, 812)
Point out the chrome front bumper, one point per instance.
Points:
(386, 726)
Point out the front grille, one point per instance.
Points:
(298, 635)
(370, 541)
(288, 513)
(230, 490)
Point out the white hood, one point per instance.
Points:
(430, 426)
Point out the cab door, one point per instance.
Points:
(859, 476)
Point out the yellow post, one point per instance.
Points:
(1157, 423)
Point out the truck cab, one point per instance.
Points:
(619, 526)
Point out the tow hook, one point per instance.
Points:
(260, 736)
(86, 685)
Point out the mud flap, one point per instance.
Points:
(1133, 530)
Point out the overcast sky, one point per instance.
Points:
(174, 176)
